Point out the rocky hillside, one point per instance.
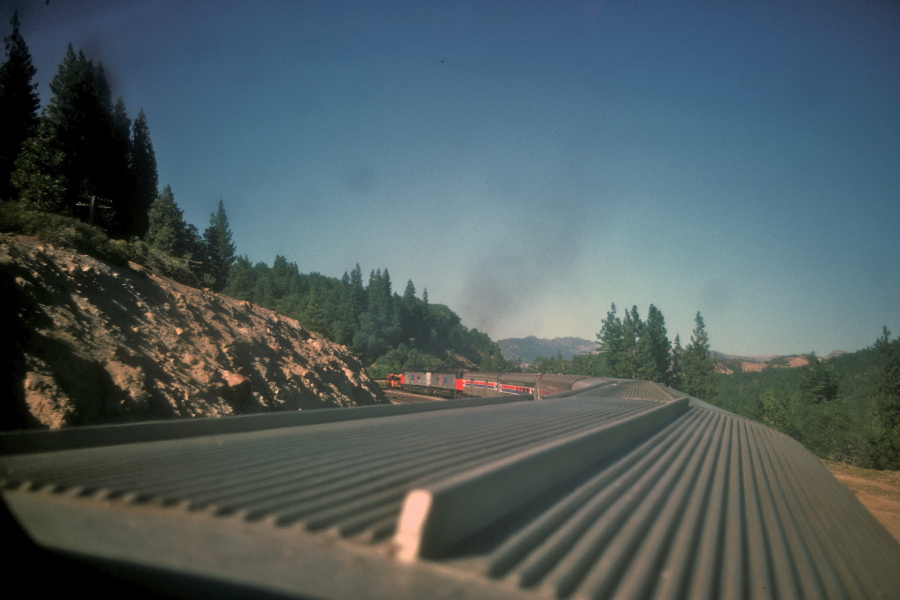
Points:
(91, 343)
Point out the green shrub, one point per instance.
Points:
(67, 232)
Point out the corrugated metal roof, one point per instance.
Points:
(621, 490)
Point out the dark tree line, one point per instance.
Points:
(210, 256)
(384, 328)
(19, 104)
(82, 156)
(631, 348)
(635, 349)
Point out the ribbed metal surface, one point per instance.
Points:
(713, 506)
(636, 390)
(351, 476)
(697, 504)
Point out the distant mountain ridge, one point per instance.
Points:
(730, 363)
(531, 347)
(764, 358)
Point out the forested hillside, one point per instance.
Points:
(82, 159)
(846, 408)
(389, 331)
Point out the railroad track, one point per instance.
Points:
(397, 397)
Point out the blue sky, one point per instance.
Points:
(529, 163)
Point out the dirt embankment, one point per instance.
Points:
(92, 343)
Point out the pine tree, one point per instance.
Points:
(144, 174)
(166, 228)
(611, 342)
(654, 351)
(119, 180)
(410, 292)
(220, 250)
(887, 381)
(411, 312)
(884, 452)
(675, 375)
(314, 312)
(632, 329)
(358, 293)
(698, 367)
(586, 364)
(19, 105)
(92, 134)
(39, 171)
(346, 321)
(819, 384)
(284, 277)
(242, 280)
(75, 114)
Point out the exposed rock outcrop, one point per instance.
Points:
(93, 343)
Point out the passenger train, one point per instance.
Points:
(459, 384)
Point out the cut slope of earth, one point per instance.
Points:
(94, 343)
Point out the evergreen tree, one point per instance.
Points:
(611, 342)
(359, 292)
(242, 280)
(352, 304)
(885, 445)
(887, 381)
(344, 323)
(412, 315)
(675, 376)
(263, 288)
(698, 366)
(379, 325)
(144, 175)
(409, 294)
(586, 364)
(19, 105)
(632, 329)
(286, 279)
(119, 180)
(654, 351)
(493, 361)
(74, 113)
(556, 364)
(91, 133)
(819, 384)
(166, 228)
(39, 171)
(777, 413)
(219, 249)
(314, 312)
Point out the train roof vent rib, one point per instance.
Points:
(437, 517)
(648, 494)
